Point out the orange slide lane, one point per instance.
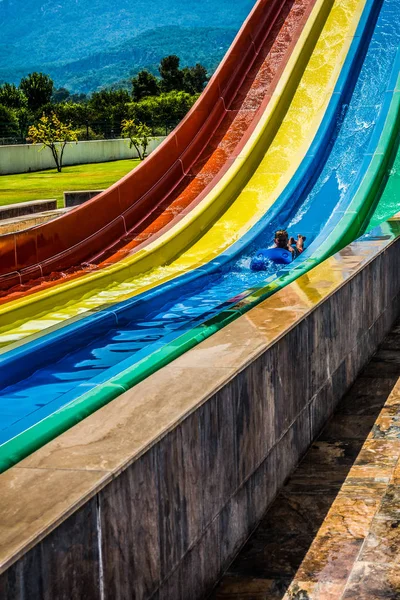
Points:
(272, 30)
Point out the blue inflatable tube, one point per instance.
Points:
(279, 256)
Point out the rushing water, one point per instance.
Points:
(150, 325)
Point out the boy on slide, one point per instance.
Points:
(284, 252)
(282, 241)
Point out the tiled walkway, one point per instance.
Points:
(334, 531)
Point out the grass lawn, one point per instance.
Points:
(44, 185)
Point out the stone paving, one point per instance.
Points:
(333, 533)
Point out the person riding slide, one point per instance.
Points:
(285, 250)
(282, 241)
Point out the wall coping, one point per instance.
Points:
(47, 487)
(120, 139)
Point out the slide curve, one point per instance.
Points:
(268, 161)
(96, 346)
(179, 173)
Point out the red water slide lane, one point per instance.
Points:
(177, 175)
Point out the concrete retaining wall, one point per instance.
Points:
(29, 157)
(233, 416)
(27, 221)
(76, 198)
(11, 211)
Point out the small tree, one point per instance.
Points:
(53, 134)
(138, 134)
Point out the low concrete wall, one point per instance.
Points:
(27, 221)
(152, 496)
(11, 211)
(77, 198)
(28, 157)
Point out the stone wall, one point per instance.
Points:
(76, 198)
(26, 158)
(11, 211)
(168, 522)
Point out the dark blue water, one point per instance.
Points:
(150, 325)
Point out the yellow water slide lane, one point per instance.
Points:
(267, 163)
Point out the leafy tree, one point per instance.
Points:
(73, 113)
(11, 96)
(194, 79)
(107, 98)
(171, 74)
(78, 98)
(164, 111)
(53, 134)
(60, 95)
(8, 122)
(38, 89)
(86, 133)
(138, 134)
(143, 85)
(24, 117)
(108, 109)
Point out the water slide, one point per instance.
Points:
(54, 381)
(263, 169)
(180, 173)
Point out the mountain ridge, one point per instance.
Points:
(99, 37)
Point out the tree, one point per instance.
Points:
(8, 122)
(165, 110)
(80, 116)
(79, 98)
(108, 108)
(143, 85)
(60, 95)
(194, 79)
(24, 117)
(171, 75)
(138, 134)
(73, 113)
(38, 89)
(53, 134)
(11, 96)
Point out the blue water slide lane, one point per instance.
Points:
(106, 318)
(21, 362)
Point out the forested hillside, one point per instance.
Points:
(86, 44)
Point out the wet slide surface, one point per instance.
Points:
(278, 153)
(389, 203)
(117, 349)
(211, 149)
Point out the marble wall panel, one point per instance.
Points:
(180, 482)
(198, 571)
(391, 260)
(218, 430)
(247, 506)
(286, 368)
(321, 408)
(255, 419)
(130, 531)
(61, 566)
(291, 446)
